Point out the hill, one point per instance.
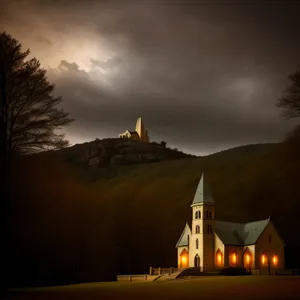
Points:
(125, 218)
(117, 151)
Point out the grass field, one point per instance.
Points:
(239, 287)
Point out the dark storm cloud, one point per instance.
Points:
(204, 75)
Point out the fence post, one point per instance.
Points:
(145, 277)
(159, 271)
(150, 271)
(130, 279)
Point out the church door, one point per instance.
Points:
(197, 261)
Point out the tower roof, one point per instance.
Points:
(203, 194)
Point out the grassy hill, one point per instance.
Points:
(122, 219)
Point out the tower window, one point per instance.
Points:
(198, 214)
(197, 229)
(197, 243)
(209, 229)
(208, 214)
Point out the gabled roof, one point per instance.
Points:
(203, 194)
(184, 240)
(240, 234)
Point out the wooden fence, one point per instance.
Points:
(160, 271)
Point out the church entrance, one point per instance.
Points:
(184, 259)
(197, 261)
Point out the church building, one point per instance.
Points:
(140, 133)
(211, 244)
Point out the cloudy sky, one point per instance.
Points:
(204, 75)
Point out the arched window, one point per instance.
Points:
(275, 260)
(198, 214)
(197, 243)
(208, 214)
(197, 229)
(233, 258)
(219, 258)
(264, 260)
(248, 258)
(209, 229)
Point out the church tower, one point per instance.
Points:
(201, 250)
(140, 129)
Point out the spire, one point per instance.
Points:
(203, 194)
(139, 128)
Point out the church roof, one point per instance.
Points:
(240, 234)
(203, 193)
(133, 132)
(184, 238)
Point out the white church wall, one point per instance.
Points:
(219, 246)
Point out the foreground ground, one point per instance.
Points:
(239, 287)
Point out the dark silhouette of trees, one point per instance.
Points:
(29, 117)
(163, 143)
(290, 102)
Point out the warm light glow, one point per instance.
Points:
(183, 259)
(275, 260)
(263, 259)
(219, 258)
(233, 258)
(248, 258)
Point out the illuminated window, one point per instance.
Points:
(197, 243)
(233, 258)
(263, 259)
(219, 257)
(197, 229)
(247, 259)
(275, 260)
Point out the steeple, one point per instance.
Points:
(203, 194)
(139, 128)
